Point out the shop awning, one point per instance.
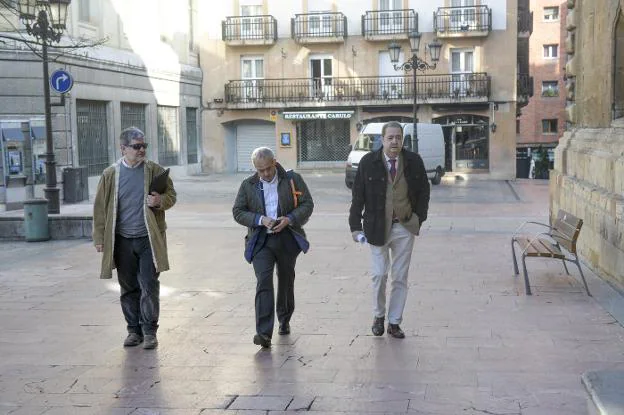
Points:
(38, 132)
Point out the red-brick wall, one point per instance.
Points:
(542, 69)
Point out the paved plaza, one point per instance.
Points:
(475, 343)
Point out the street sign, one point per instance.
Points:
(61, 81)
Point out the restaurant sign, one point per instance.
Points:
(317, 115)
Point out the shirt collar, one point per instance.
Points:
(388, 158)
(273, 181)
(123, 161)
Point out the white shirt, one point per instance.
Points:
(271, 200)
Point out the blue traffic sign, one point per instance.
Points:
(61, 81)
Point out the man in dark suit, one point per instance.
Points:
(391, 187)
(273, 204)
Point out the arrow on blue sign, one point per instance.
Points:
(61, 81)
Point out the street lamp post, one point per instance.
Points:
(45, 20)
(415, 64)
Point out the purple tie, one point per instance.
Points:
(392, 168)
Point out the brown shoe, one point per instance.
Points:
(395, 331)
(378, 326)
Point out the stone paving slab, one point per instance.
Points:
(475, 343)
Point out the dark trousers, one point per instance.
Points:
(278, 251)
(138, 279)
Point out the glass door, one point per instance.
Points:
(251, 22)
(461, 71)
(390, 16)
(321, 70)
(252, 73)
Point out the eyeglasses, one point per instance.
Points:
(137, 146)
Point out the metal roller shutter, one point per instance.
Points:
(248, 138)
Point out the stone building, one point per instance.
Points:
(303, 77)
(588, 178)
(145, 74)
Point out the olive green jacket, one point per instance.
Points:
(105, 217)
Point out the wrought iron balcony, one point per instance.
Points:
(462, 21)
(524, 89)
(448, 88)
(389, 24)
(319, 27)
(525, 22)
(249, 30)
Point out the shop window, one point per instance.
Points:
(551, 51)
(550, 88)
(551, 14)
(549, 126)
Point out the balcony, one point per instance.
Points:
(334, 91)
(319, 28)
(524, 89)
(249, 30)
(389, 24)
(474, 21)
(525, 23)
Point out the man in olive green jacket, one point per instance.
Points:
(273, 204)
(129, 230)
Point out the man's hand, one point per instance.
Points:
(267, 222)
(283, 223)
(153, 200)
(99, 248)
(355, 235)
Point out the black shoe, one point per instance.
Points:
(262, 340)
(284, 329)
(395, 331)
(378, 326)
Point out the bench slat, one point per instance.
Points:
(539, 248)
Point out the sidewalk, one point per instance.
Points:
(475, 343)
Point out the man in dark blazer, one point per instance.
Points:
(392, 189)
(273, 204)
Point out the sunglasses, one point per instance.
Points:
(138, 146)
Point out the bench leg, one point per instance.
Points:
(513, 255)
(563, 260)
(578, 264)
(526, 277)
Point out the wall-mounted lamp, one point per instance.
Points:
(493, 127)
(353, 50)
(495, 106)
(284, 54)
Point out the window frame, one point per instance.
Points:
(551, 47)
(555, 16)
(545, 92)
(551, 122)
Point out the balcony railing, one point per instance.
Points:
(470, 87)
(457, 21)
(524, 89)
(384, 24)
(260, 29)
(525, 22)
(319, 27)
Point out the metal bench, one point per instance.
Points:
(558, 242)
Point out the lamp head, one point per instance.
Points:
(414, 38)
(27, 9)
(395, 50)
(435, 48)
(57, 12)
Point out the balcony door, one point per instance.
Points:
(251, 22)
(252, 74)
(321, 71)
(391, 81)
(390, 16)
(320, 23)
(462, 67)
(463, 14)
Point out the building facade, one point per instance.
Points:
(303, 77)
(588, 176)
(145, 73)
(542, 122)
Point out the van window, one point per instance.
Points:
(368, 142)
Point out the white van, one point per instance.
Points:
(430, 148)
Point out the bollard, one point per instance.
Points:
(36, 226)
